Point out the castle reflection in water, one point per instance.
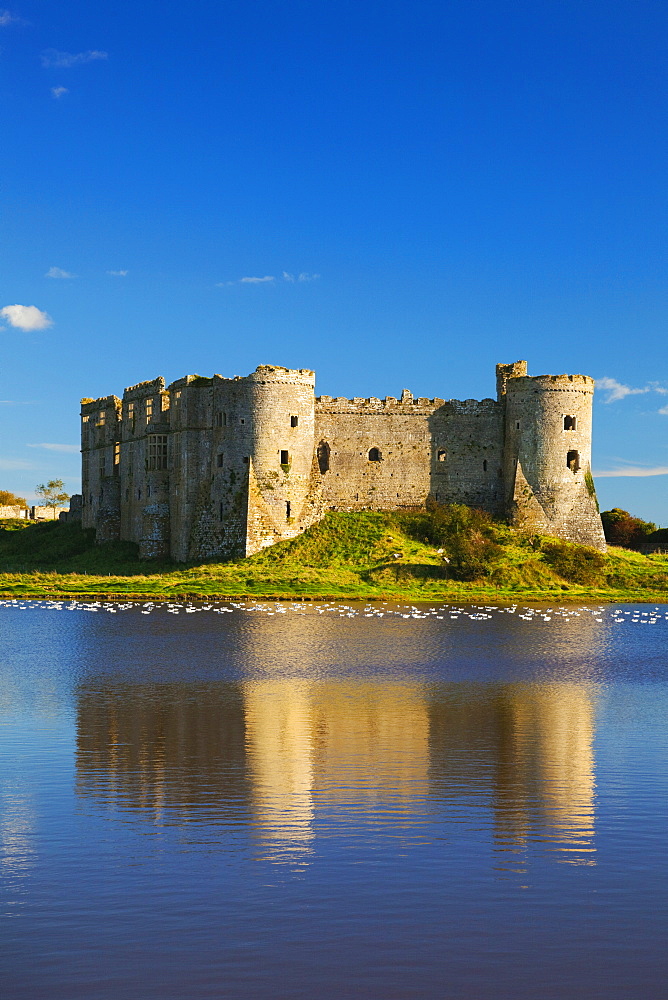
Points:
(274, 754)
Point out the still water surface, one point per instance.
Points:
(292, 801)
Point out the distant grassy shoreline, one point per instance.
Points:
(366, 556)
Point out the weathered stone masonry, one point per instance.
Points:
(216, 467)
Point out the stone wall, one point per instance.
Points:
(391, 453)
(14, 511)
(214, 467)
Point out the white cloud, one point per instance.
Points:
(57, 447)
(12, 464)
(26, 317)
(118, 274)
(616, 390)
(663, 411)
(634, 471)
(269, 279)
(6, 17)
(53, 59)
(57, 272)
(59, 92)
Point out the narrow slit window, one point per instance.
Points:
(285, 458)
(221, 511)
(219, 418)
(484, 465)
(323, 454)
(517, 425)
(294, 421)
(219, 460)
(573, 460)
(375, 455)
(570, 423)
(288, 510)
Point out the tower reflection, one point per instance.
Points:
(325, 747)
(528, 749)
(174, 752)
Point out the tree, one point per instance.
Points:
(52, 494)
(621, 528)
(8, 499)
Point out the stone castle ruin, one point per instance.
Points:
(211, 468)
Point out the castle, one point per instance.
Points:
(219, 467)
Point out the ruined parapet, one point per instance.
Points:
(547, 456)
(505, 372)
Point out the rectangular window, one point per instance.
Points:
(221, 419)
(219, 460)
(294, 421)
(569, 423)
(157, 452)
(117, 454)
(285, 458)
(131, 411)
(102, 418)
(102, 466)
(573, 461)
(149, 409)
(85, 418)
(221, 511)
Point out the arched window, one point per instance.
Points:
(573, 460)
(375, 455)
(442, 455)
(323, 453)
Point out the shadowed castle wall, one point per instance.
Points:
(386, 454)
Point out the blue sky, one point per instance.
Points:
(456, 184)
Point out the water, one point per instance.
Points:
(265, 801)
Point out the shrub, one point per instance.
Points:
(621, 528)
(576, 563)
(467, 537)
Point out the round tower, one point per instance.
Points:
(282, 410)
(547, 456)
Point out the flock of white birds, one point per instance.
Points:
(620, 615)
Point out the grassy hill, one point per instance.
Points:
(363, 555)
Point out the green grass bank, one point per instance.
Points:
(365, 556)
